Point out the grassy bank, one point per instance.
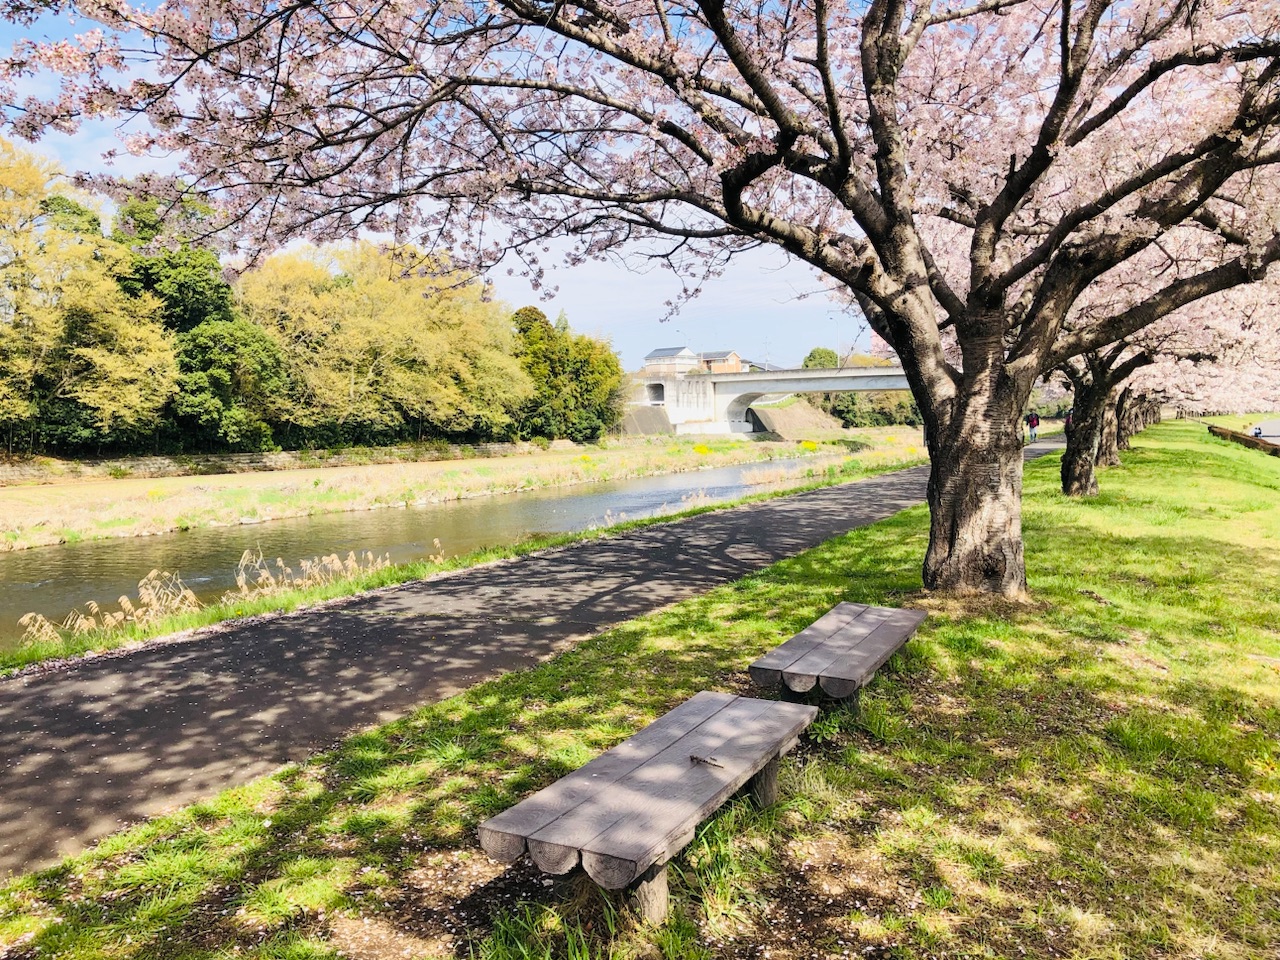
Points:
(40, 515)
(1093, 775)
(878, 456)
(1242, 422)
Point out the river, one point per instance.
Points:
(54, 580)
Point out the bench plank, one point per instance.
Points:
(804, 671)
(840, 659)
(631, 796)
(675, 794)
(871, 656)
(767, 671)
(504, 836)
(855, 654)
(650, 796)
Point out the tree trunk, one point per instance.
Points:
(975, 500)
(1109, 438)
(1124, 419)
(1079, 476)
(1079, 462)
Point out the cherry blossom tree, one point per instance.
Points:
(968, 170)
(1217, 354)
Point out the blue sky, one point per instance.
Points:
(765, 305)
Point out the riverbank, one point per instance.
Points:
(45, 514)
(173, 612)
(1093, 774)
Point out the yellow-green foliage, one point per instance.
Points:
(69, 331)
(377, 338)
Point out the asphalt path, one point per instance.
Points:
(1270, 430)
(110, 740)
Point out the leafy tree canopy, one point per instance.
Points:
(821, 358)
(80, 359)
(186, 278)
(578, 380)
(380, 340)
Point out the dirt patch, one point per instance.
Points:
(445, 906)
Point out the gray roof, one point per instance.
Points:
(766, 367)
(717, 355)
(667, 352)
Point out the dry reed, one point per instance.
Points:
(162, 594)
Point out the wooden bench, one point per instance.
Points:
(840, 652)
(630, 810)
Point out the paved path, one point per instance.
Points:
(114, 739)
(1270, 430)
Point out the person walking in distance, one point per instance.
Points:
(1033, 424)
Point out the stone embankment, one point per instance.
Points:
(1254, 443)
(50, 470)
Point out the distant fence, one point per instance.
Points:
(1253, 443)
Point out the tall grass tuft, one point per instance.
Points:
(256, 577)
(162, 594)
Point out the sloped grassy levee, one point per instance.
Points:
(1093, 775)
(1241, 421)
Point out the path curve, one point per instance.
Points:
(115, 739)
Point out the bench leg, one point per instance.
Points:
(787, 695)
(764, 785)
(648, 895)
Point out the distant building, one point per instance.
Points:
(667, 361)
(722, 361)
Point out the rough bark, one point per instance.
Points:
(1109, 438)
(975, 498)
(1079, 461)
(1124, 418)
(1079, 476)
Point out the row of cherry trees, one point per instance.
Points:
(1007, 188)
(1218, 355)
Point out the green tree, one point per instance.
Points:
(577, 380)
(187, 278)
(379, 347)
(66, 214)
(821, 358)
(80, 360)
(232, 376)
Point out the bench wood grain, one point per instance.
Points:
(839, 652)
(635, 806)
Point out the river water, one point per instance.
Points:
(54, 580)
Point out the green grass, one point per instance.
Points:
(1093, 775)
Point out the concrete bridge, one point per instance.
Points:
(718, 402)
